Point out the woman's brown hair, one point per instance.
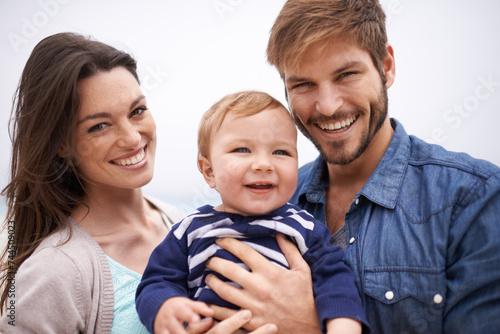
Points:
(45, 186)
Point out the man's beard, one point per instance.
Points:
(336, 153)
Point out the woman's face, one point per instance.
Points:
(115, 137)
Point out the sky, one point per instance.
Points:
(191, 53)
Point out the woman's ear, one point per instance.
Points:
(205, 167)
(63, 150)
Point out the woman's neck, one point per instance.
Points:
(104, 211)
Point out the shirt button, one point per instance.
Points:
(356, 201)
(351, 241)
(389, 295)
(438, 299)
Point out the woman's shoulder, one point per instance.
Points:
(67, 249)
(67, 275)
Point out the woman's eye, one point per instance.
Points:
(241, 150)
(138, 111)
(281, 152)
(97, 127)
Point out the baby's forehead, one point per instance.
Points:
(275, 120)
(275, 112)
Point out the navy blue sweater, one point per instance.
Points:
(177, 265)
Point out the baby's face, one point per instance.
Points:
(254, 162)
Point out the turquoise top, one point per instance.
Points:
(125, 282)
(125, 317)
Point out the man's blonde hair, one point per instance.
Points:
(302, 23)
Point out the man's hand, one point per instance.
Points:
(273, 294)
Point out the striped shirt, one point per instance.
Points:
(177, 266)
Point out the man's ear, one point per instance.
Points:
(205, 167)
(389, 66)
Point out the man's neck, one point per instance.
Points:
(345, 181)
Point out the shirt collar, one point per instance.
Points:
(384, 184)
(314, 190)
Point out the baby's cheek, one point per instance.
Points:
(228, 176)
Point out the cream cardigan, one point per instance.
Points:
(66, 287)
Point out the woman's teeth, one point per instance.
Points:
(133, 160)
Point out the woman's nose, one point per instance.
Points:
(129, 136)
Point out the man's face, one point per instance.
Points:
(338, 99)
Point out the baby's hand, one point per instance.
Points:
(176, 311)
(343, 326)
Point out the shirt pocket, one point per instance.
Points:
(405, 300)
(392, 285)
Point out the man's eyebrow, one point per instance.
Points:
(347, 66)
(294, 79)
(108, 115)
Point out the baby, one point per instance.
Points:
(247, 146)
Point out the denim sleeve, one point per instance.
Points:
(473, 261)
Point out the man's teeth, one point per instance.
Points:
(337, 125)
(132, 161)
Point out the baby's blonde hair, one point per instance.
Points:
(244, 103)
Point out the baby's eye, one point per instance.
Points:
(241, 150)
(281, 152)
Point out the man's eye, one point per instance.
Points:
(302, 84)
(241, 150)
(346, 74)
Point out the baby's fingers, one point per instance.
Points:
(191, 313)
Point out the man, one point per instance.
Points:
(420, 225)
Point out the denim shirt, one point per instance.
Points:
(423, 238)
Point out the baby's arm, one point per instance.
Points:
(343, 326)
(176, 311)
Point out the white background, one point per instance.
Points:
(193, 52)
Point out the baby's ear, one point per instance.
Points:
(205, 167)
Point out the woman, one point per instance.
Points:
(84, 144)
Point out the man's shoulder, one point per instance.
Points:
(426, 154)
(443, 179)
(307, 167)
(311, 169)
